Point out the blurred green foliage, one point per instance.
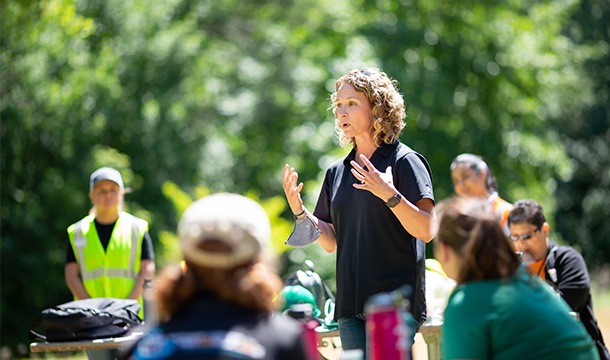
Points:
(188, 97)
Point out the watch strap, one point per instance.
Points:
(394, 200)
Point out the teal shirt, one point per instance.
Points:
(516, 318)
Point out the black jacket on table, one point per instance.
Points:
(567, 271)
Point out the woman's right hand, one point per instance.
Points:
(292, 190)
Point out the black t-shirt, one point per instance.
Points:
(374, 251)
(573, 284)
(104, 232)
(209, 329)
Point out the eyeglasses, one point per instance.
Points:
(525, 236)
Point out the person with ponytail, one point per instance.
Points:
(472, 177)
(498, 310)
(220, 305)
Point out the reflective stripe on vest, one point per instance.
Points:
(105, 278)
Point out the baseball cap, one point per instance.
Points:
(105, 173)
(238, 222)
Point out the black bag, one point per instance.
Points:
(311, 281)
(88, 319)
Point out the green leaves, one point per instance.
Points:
(186, 95)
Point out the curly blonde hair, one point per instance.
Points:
(387, 103)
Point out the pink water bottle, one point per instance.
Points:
(386, 330)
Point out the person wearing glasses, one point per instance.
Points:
(499, 310)
(376, 205)
(472, 177)
(561, 266)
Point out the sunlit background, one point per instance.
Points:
(189, 97)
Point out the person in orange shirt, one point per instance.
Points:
(472, 177)
(561, 266)
(498, 310)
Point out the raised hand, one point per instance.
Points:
(292, 190)
(381, 184)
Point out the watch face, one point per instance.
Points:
(395, 200)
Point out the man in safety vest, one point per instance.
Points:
(110, 252)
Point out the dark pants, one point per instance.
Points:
(352, 331)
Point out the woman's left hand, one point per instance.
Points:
(381, 184)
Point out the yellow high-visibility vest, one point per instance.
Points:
(110, 273)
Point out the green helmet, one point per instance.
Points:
(297, 294)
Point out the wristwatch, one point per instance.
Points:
(394, 200)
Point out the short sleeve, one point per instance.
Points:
(413, 178)
(322, 210)
(70, 257)
(147, 248)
